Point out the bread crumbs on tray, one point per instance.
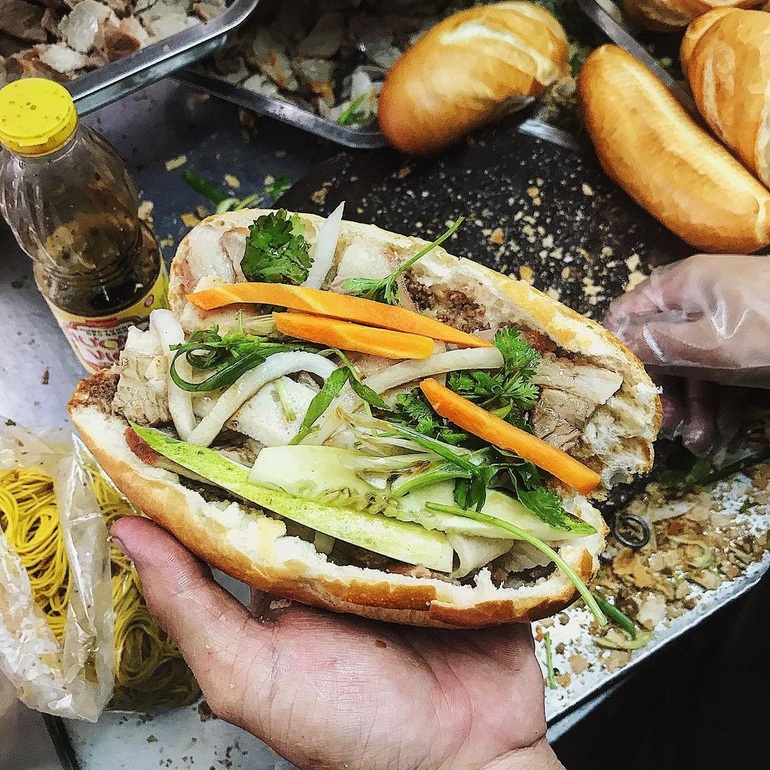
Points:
(190, 220)
(175, 163)
(497, 236)
(526, 273)
(232, 181)
(634, 279)
(145, 212)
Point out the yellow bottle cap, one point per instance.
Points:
(37, 116)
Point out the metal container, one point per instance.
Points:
(132, 72)
(358, 138)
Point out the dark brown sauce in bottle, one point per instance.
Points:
(74, 210)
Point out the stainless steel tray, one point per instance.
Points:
(357, 138)
(132, 72)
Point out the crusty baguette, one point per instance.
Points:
(252, 546)
(468, 69)
(652, 148)
(671, 15)
(729, 74)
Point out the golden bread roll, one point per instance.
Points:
(729, 74)
(695, 32)
(651, 147)
(468, 69)
(668, 15)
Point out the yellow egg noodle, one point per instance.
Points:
(30, 519)
(150, 672)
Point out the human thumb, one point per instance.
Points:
(204, 620)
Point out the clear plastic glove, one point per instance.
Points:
(702, 326)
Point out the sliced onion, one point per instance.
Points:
(169, 332)
(243, 389)
(325, 246)
(451, 361)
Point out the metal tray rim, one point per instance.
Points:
(129, 73)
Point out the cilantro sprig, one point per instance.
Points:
(508, 393)
(386, 289)
(414, 410)
(276, 250)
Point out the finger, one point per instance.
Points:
(672, 405)
(686, 347)
(664, 290)
(700, 430)
(202, 618)
(733, 403)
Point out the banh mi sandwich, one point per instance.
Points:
(360, 421)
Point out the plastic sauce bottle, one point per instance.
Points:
(73, 208)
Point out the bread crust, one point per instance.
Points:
(466, 69)
(728, 69)
(671, 15)
(649, 145)
(253, 547)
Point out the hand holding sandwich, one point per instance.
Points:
(700, 324)
(336, 691)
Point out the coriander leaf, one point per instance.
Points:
(276, 250)
(413, 409)
(386, 289)
(507, 392)
(517, 353)
(321, 402)
(547, 506)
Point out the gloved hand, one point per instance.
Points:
(699, 324)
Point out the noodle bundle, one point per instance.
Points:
(150, 672)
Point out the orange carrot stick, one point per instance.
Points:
(350, 336)
(342, 306)
(491, 428)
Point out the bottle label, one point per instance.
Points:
(97, 342)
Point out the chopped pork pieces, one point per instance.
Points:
(63, 39)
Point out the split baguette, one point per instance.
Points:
(651, 147)
(253, 547)
(671, 15)
(469, 69)
(728, 69)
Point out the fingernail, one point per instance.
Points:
(120, 544)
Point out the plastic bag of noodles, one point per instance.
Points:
(56, 618)
(72, 618)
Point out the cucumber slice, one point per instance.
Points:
(319, 473)
(398, 540)
(497, 504)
